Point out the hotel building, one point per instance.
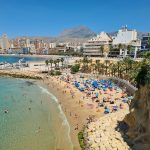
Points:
(127, 37)
(94, 46)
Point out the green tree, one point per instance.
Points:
(120, 46)
(62, 62)
(47, 64)
(85, 62)
(102, 50)
(143, 76)
(51, 63)
(107, 62)
(75, 68)
(58, 61)
(55, 62)
(129, 48)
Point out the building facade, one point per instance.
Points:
(97, 46)
(125, 36)
(145, 42)
(4, 42)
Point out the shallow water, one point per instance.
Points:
(34, 120)
(14, 59)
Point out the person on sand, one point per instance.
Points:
(79, 101)
(121, 106)
(76, 128)
(107, 110)
(76, 115)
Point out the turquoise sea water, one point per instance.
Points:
(34, 120)
(14, 59)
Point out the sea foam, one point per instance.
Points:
(62, 115)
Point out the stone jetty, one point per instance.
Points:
(21, 74)
(102, 134)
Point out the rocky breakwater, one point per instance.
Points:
(103, 134)
(20, 74)
(138, 120)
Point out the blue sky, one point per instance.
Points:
(50, 17)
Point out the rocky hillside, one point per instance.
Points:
(77, 32)
(138, 119)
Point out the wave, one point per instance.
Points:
(62, 115)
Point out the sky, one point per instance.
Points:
(50, 17)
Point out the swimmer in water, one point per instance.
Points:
(5, 111)
(38, 130)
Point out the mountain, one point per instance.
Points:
(77, 32)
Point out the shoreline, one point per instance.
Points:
(75, 111)
(63, 116)
(19, 74)
(70, 107)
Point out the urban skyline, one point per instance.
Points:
(33, 18)
(124, 42)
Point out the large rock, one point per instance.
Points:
(139, 119)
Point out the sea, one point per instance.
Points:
(16, 58)
(31, 117)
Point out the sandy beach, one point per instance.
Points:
(75, 108)
(76, 113)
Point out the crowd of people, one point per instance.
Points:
(103, 94)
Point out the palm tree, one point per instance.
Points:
(118, 68)
(51, 62)
(47, 64)
(102, 68)
(62, 62)
(127, 64)
(129, 48)
(120, 46)
(58, 61)
(102, 50)
(143, 76)
(111, 69)
(85, 62)
(97, 66)
(55, 62)
(106, 66)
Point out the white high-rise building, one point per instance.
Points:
(4, 42)
(52, 45)
(125, 36)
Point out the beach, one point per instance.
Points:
(75, 107)
(75, 104)
(31, 117)
(76, 113)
